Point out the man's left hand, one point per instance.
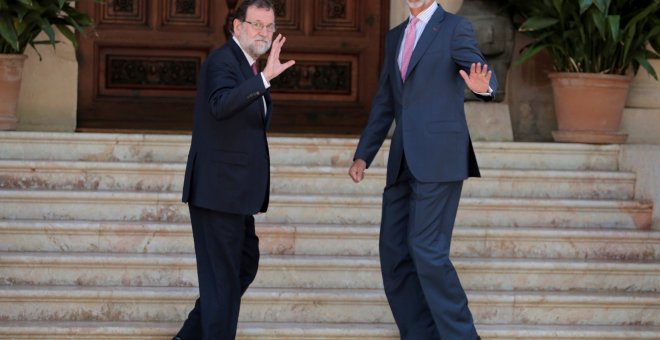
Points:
(478, 80)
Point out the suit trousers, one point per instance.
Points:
(421, 284)
(227, 252)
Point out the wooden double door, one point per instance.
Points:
(139, 67)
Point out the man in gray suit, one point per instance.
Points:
(429, 59)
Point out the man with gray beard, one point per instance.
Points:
(429, 59)
(228, 172)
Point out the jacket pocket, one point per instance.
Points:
(230, 157)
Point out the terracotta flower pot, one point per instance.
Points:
(11, 73)
(589, 107)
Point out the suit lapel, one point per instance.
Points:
(245, 68)
(430, 31)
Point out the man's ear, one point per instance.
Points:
(236, 24)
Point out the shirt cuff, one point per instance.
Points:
(267, 83)
(489, 93)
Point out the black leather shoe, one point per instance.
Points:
(177, 338)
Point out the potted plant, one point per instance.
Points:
(596, 47)
(21, 21)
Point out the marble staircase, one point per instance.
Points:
(94, 243)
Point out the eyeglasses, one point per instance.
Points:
(270, 28)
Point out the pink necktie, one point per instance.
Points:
(254, 68)
(408, 45)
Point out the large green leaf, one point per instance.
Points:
(614, 22)
(21, 12)
(584, 5)
(28, 18)
(47, 27)
(559, 4)
(601, 36)
(643, 62)
(529, 53)
(68, 33)
(602, 5)
(599, 21)
(27, 3)
(642, 15)
(8, 34)
(537, 23)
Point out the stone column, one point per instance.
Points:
(49, 89)
(641, 118)
(529, 94)
(645, 90)
(641, 154)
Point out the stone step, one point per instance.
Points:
(493, 183)
(298, 271)
(94, 330)
(338, 240)
(324, 209)
(305, 180)
(290, 150)
(516, 242)
(18, 303)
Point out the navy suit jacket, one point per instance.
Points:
(428, 108)
(228, 167)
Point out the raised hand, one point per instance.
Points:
(273, 65)
(479, 78)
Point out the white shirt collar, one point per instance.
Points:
(426, 15)
(249, 58)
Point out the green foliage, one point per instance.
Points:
(593, 36)
(21, 21)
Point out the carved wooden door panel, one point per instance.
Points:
(139, 69)
(337, 45)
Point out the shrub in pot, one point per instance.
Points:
(596, 46)
(21, 22)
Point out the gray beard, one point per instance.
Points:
(258, 50)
